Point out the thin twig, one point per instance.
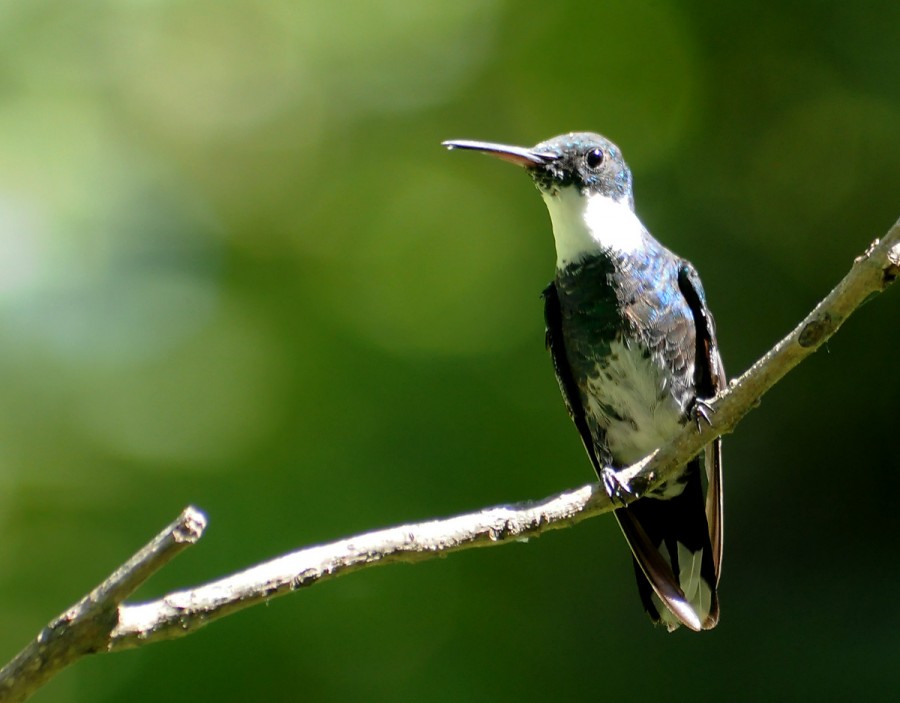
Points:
(84, 628)
(181, 613)
(871, 273)
(101, 622)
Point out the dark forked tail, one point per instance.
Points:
(673, 556)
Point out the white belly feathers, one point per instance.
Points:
(629, 398)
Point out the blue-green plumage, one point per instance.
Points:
(628, 338)
(634, 350)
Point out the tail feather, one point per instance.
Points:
(669, 537)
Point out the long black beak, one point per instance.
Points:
(513, 154)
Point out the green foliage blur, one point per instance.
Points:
(237, 270)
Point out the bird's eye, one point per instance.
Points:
(594, 158)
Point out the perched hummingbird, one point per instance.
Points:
(634, 348)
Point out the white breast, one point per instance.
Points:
(644, 415)
(586, 224)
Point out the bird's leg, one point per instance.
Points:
(702, 410)
(619, 490)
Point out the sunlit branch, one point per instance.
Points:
(101, 622)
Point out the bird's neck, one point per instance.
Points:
(591, 224)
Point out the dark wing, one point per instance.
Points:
(567, 386)
(709, 376)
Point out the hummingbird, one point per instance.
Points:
(634, 349)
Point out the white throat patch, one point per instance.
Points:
(590, 224)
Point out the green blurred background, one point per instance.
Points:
(239, 271)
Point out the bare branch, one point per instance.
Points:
(84, 628)
(871, 273)
(101, 622)
(181, 613)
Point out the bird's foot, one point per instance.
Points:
(619, 490)
(702, 410)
